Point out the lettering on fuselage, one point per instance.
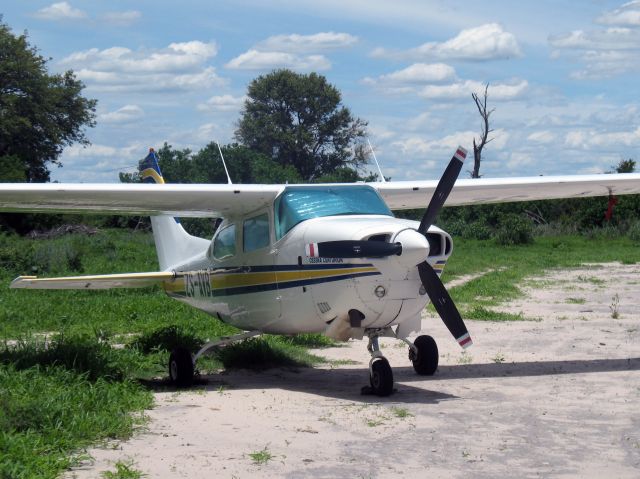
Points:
(325, 260)
(198, 284)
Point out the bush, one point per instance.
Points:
(477, 230)
(15, 256)
(514, 230)
(634, 232)
(59, 257)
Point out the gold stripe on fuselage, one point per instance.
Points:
(244, 279)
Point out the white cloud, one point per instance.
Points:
(180, 66)
(615, 38)
(464, 89)
(605, 52)
(518, 159)
(418, 73)
(206, 133)
(418, 146)
(125, 114)
(297, 52)
(257, 60)
(592, 139)
(626, 15)
(222, 103)
(544, 137)
(486, 42)
(295, 43)
(60, 11)
(122, 19)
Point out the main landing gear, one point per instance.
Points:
(423, 353)
(182, 362)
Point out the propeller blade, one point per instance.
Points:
(444, 304)
(445, 185)
(352, 249)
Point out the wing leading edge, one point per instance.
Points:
(415, 194)
(103, 281)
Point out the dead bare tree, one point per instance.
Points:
(484, 135)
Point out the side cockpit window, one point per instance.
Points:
(224, 244)
(255, 232)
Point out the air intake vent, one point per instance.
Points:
(382, 238)
(435, 244)
(324, 307)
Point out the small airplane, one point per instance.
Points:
(310, 258)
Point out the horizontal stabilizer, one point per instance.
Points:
(102, 281)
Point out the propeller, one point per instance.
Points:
(353, 249)
(438, 294)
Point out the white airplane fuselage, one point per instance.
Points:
(281, 288)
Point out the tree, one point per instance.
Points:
(205, 166)
(40, 113)
(298, 120)
(484, 134)
(625, 166)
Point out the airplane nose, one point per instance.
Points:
(415, 248)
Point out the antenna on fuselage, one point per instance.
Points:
(224, 164)
(376, 160)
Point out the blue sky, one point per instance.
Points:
(563, 75)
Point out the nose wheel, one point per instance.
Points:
(381, 377)
(380, 373)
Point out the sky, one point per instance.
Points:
(562, 75)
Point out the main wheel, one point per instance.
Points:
(425, 362)
(381, 377)
(181, 367)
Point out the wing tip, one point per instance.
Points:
(21, 282)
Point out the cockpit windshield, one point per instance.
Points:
(300, 203)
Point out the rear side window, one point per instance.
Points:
(225, 243)
(255, 232)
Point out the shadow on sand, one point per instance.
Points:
(345, 383)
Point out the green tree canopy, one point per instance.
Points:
(625, 166)
(40, 113)
(298, 120)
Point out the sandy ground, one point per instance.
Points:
(556, 397)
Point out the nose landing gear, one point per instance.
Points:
(423, 353)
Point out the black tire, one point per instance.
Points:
(181, 367)
(381, 377)
(426, 362)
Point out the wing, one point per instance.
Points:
(137, 199)
(231, 200)
(104, 281)
(416, 194)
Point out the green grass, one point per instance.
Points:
(575, 300)
(401, 412)
(124, 470)
(261, 457)
(49, 413)
(512, 264)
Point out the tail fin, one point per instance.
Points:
(173, 244)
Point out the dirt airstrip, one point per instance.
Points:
(554, 397)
